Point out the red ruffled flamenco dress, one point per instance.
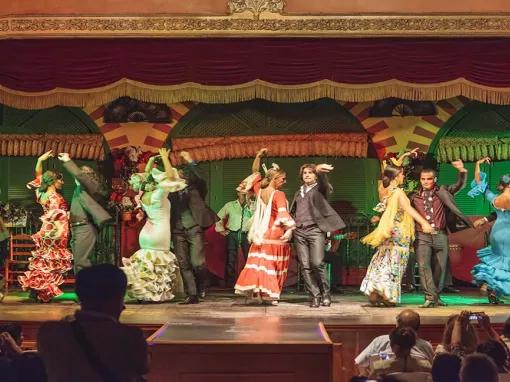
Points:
(51, 259)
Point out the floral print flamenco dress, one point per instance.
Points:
(392, 239)
(51, 259)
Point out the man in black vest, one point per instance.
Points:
(314, 218)
(189, 217)
(437, 204)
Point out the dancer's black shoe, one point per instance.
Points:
(190, 300)
(316, 302)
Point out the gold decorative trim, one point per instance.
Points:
(255, 7)
(269, 24)
(251, 90)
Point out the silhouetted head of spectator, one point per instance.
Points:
(446, 368)
(402, 341)
(14, 330)
(408, 318)
(496, 351)
(469, 338)
(101, 288)
(478, 367)
(506, 328)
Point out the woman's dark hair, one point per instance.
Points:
(469, 338)
(48, 178)
(504, 181)
(446, 368)
(496, 351)
(390, 173)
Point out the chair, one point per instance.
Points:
(418, 376)
(21, 247)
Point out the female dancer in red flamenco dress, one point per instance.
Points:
(268, 259)
(51, 258)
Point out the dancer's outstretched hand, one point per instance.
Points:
(459, 165)
(46, 155)
(484, 160)
(64, 157)
(287, 235)
(186, 156)
(262, 152)
(164, 152)
(479, 222)
(324, 167)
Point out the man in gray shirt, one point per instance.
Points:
(406, 318)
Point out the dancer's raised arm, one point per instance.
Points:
(169, 169)
(478, 178)
(255, 167)
(39, 164)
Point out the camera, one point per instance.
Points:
(474, 316)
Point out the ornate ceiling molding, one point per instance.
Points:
(265, 23)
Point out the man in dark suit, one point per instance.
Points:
(189, 217)
(437, 205)
(86, 212)
(314, 218)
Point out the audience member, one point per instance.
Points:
(94, 346)
(406, 318)
(446, 368)
(17, 365)
(497, 352)
(402, 340)
(478, 367)
(506, 333)
(459, 336)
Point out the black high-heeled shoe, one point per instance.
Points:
(494, 299)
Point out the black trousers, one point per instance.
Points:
(235, 240)
(189, 246)
(309, 245)
(432, 256)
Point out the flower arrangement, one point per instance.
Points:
(13, 215)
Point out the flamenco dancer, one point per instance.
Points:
(51, 259)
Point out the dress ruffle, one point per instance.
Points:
(478, 188)
(151, 274)
(493, 270)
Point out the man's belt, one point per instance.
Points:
(79, 223)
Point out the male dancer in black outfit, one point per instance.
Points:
(190, 215)
(314, 218)
(437, 205)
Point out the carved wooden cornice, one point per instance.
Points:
(249, 23)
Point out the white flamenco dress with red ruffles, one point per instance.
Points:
(153, 271)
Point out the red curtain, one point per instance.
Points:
(44, 64)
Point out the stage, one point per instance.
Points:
(223, 319)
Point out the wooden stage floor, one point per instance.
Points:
(350, 308)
